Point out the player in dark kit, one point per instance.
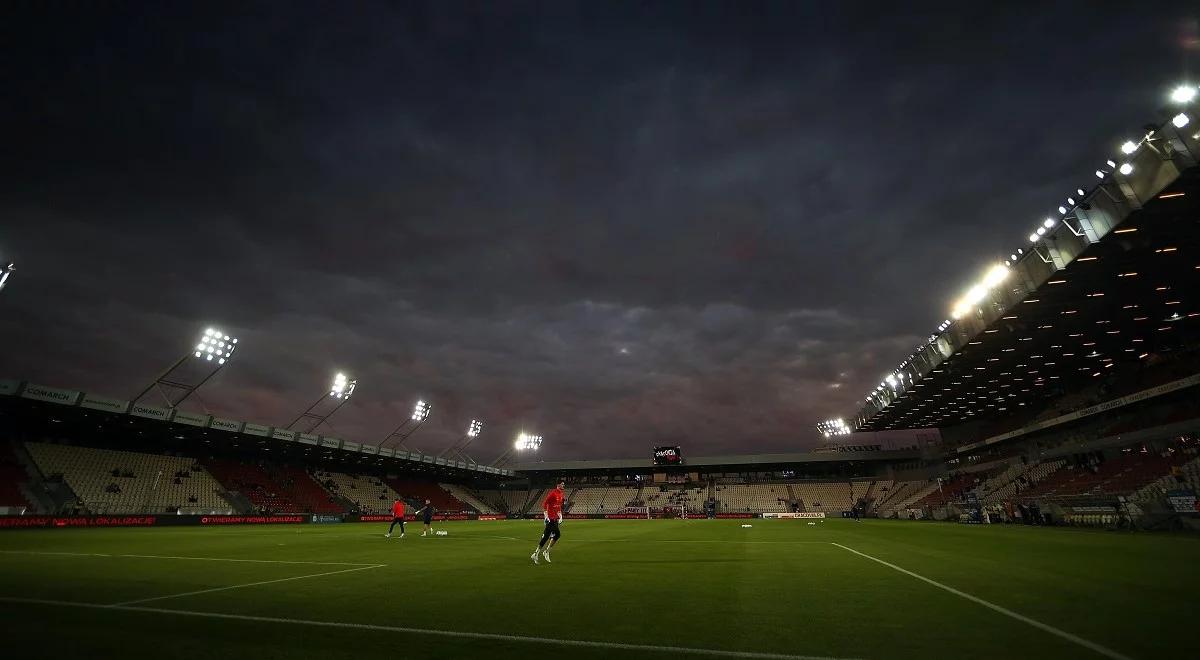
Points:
(427, 510)
(552, 510)
(397, 518)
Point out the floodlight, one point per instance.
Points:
(526, 441)
(1062, 210)
(995, 276)
(475, 428)
(1080, 192)
(5, 271)
(1033, 238)
(1099, 174)
(1180, 120)
(1041, 231)
(342, 387)
(1012, 257)
(1126, 169)
(1129, 147)
(1183, 94)
(421, 411)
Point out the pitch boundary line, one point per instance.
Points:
(250, 561)
(497, 637)
(1070, 637)
(241, 586)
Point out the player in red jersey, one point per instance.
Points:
(552, 510)
(397, 517)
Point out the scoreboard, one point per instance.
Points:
(668, 456)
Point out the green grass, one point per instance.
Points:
(779, 587)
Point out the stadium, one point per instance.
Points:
(1023, 484)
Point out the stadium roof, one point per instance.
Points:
(732, 461)
(262, 434)
(1109, 280)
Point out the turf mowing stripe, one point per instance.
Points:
(252, 561)
(1102, 650)
(248, 584)
(496, 637)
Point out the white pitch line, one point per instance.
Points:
(248, 584)
(1070, 637)
(497, 637)
(254, 561)
(251, 561)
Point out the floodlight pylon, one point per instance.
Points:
(409, 426)
(340, 392)
(525, 442)
(457, 449)
(178, 382)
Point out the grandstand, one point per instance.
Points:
(473, 501)
(12, 482)
(108, 481)
(417, 491)
(366, 494)
(749, 498)
(601, 499)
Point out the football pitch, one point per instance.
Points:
(628, 588)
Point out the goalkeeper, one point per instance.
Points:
(552, 510)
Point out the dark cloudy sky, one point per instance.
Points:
(616, 223)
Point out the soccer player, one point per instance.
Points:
(428, 511)
(552, 511)
(397, 517)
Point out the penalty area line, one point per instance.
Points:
(1070, 637)
(495, 637)
(248, 561)
(248, 584)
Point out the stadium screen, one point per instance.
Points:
(668, 456)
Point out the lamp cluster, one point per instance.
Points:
(526, 441)
(215, 345)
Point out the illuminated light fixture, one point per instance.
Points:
(1130, 230)
(5, 272)
(421, 411)
(1099, 174)
(1041, 231)
(1171, 195)
(1129, 147)
(1012, 257)
(1087, 258)
(1071, 201)
(1080, 192)
(476, 427)
(1125, 169)
(1033, 238)
(1062, 210)
(342, 387)
(1048, 223)
(1110, 163)
(1183, 94)
(215, 345)
(527, 442)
